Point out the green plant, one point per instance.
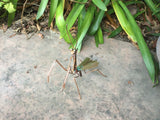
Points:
(89, 19)
(131, 28)
(77, 11)
(154, 8)
(10, 7)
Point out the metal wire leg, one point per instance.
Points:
(64, 83)
(98, 72)
(77, 87)
(51, 68)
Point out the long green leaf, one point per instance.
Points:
(61, 24)
(100, 4)
(153, 8)
(115, 32)
(52, 12)
(73, 15)
(123, 20)
(119, 29)
(147, 57)
(81, 18)
(85, 25)
(136, 32)
(99, 37)
(41, 8)
(97, 20)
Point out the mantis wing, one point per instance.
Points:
(90, 65)
(87, 64)
(85, 61)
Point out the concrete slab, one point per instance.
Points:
(125, 94)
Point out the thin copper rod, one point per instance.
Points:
(70, 63)
(64, 83)
(51, 68)
(97, 71)
(77, 88)
(61, 65)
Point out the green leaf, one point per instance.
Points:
(73, 15)
(100, 4)
(52, 12)
(12, 15)
(136, 34)
(81, 17)
(156, 64)
(99, 37)
(41, 8)
(61, 24)
(115, 32)
(155, 34)
(6, 1)
(97, 20)
(1, 4)
(10, 18)
(9, 7)
(85, 25)
(96, 39)
(123, 20)
(153, 8)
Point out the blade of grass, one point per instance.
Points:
(153, 8)
(52, 12)
(41, 8)
(85, 25)
(123, 20)
(100, 4)
(73, 15)
(119, 29)
(81, 18)
(61, 24)
(99, 37)
(115, 32)
(140, 40)
(97, 20)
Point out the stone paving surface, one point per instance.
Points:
(125, 94)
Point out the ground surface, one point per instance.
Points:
(125, 94)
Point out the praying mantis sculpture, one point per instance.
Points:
(86, 64)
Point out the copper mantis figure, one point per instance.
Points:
(86, 64)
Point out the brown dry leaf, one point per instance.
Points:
(68, 7)
(130, 82)
(112, 23)
(41, 35)
(4, 27)
(149, 16)
(153, 44)
(38, 27)
(35, 66)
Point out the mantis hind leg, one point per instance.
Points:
(56, 61)
(64, 83)
(51, 68)
(77, 88)
(97, 71)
